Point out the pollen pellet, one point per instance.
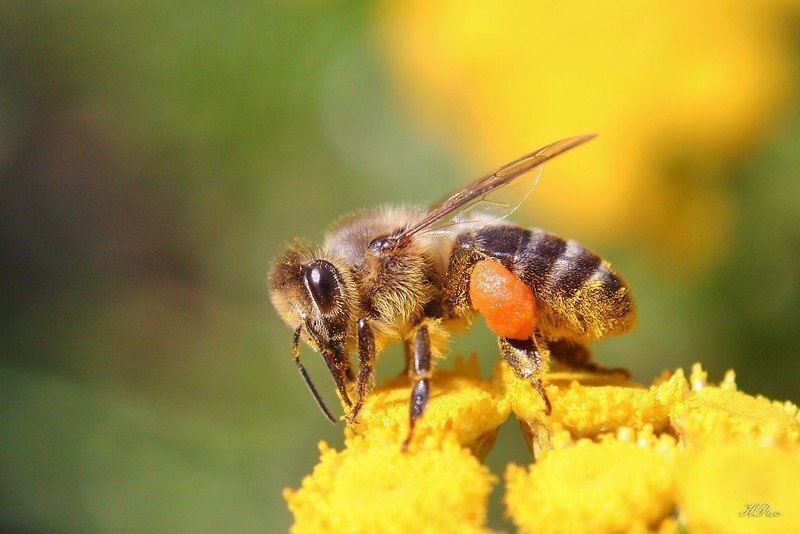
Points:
(504, 300)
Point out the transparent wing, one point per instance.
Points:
(492, 206)
(492, 197)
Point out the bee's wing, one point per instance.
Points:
(493, 206)
(489, 195)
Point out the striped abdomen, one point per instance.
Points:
(578, 295)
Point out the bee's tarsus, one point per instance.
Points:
(537, 384)
(420, 389)
(525, 359)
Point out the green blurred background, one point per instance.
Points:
(155, 156)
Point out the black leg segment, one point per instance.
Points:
(420, 375)
(366, 367)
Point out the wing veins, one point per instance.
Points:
(495, 180)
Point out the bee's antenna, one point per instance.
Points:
(307, 379)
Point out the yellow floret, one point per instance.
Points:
(586, 410)
(461, 402)
(612, 486)
(372, 486)
(724, 414)
(740, 488)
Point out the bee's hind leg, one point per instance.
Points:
(524, 357)
(577, 356)
(366, 368)
(420, 374)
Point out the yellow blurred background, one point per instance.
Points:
(155, 156)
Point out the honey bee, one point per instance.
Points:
(406, 274)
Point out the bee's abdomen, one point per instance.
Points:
(578, 294)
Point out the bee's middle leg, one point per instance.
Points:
(525, 359)
(420, 374)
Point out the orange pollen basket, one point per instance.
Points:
(504, 300)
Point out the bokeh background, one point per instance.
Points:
(155, 156)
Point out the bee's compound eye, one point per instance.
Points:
(322, 280)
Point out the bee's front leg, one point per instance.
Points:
(420, 374)
(366, 368)
(524, 357)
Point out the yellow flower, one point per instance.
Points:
(724, 414)
(738, 488)
(611, 486)
(461, 403)
(681, 449)
(613, 456)
(372, 486)
(677, 89)
(606, 405)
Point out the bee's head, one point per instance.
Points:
(310, 291)
(317, 298)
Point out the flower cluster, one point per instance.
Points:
(612, 456)
(440, 482)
